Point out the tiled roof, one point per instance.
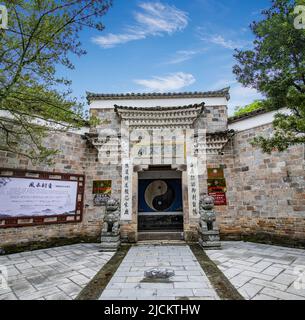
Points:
(192, 106)
(170, 117)
(247, 115)
(105, 96)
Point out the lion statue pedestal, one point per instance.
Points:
(208, 233)
(110, 236)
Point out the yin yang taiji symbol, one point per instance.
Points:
(159, 196)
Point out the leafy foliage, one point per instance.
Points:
(276, 68)
(41, 35)
(256, 105)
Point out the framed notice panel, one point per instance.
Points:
(35, 198)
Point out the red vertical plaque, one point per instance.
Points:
(217, 186)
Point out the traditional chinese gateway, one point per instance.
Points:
(158, 155)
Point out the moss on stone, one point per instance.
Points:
(266, 238)
(222, 286)
(51, 243)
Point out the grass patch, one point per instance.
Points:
(222, 286)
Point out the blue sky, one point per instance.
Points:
(167, 46)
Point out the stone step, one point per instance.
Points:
(161, 243)
(164, 235)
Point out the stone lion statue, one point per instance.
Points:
(208, 233)
(207, 214)
(112, 217)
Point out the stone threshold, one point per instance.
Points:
(161, 243)
(160, 235)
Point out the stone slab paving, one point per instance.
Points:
(52, 274)
(189, 282)
(259, 272)
(262, 272)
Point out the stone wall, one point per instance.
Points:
(76, 157)
(213, 119)
(266, 193)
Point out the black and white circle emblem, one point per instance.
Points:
(159, 196)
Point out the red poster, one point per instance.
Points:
(219, 197)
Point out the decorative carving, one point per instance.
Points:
(100, 200)
(112, 217)
(160, 117)
(110, 237)
(216, 142)
(208, 232)
(207, 214)
(159, 274)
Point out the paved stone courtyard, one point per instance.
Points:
(189, 281)
(52, 274)
(262, 272)
(259, 272)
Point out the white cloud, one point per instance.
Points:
(111, 40)
(221, 41)
(171, 82)
(153, 19)
(229, 44)
(184, 55)
(159, 18)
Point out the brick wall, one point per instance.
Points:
(77, 157)
(213, 119)
(266, 193)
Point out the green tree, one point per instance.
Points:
(276, 68)
(41, 35)
(256, 105)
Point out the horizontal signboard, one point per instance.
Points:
(102, 187)
(29, 198)
(215, 173)
(220, 198)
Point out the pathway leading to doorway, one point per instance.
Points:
(190, 281)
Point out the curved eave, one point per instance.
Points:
(248, 115)
(158, 108)
(160, 116)
(225, 92)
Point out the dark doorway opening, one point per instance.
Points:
(160, 202)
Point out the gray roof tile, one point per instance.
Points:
(111, 96)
